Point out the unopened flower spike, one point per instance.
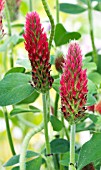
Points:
(73, 88)
(37, 46)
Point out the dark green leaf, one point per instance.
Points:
(90, 100)
(80, 127)
(31, 98)
(35, 163)
(62, 36)
(59, 146)
(92, 89)
(90, 151)
(14, 88)
(16, 111)
(66, 159)
(98, 7)
(56, 123)
(71, 8)
(16, 70)
(99, 64)
(15, 159)
(95, 77)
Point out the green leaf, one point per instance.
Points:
(91, 66)
(16, 70)
(56, 85)
(35, 163)
(13, 39)
(90, 151)
(66, 159)
(16, 111)
(31, 98)
(62, 36)
(92, 89)
(71, 8)
(98, 7)
(59, 146)
(90, 100)
(95, 77)
(15, 159)
(56, 123)
(14, 88)
(24, 7)
(99, 64)
(24, 62)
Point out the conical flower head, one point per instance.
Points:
(37, 46)
(73, 88)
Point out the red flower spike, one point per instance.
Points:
(97, 107)
(37, 46)
(73, 88)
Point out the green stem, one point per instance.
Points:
(9, 33)
(50, 165)
(8, 131)
(25, 145)
(91, 30)
(11, 55)
(57, 11)
(48, 150)
(44, 2)
(30, 5)
(25, 122)
(8, 19)
(56, 105)
(72, 148)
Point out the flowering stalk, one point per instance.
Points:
(44, 2)
(73, 93)
(37, 46)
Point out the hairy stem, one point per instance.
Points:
(30, 5)
(44, 2)
(48, 150)
(49, 160)
(56, 105)
(8, 19)
(72, 148)
(91, 30)
(8, 131)
(57, 11)
(25, 145)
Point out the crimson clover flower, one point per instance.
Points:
(1, 15)
(73, 88)
(37, 46)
